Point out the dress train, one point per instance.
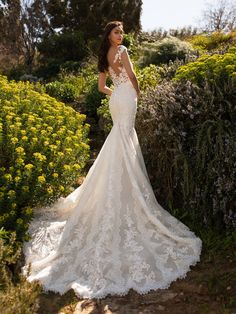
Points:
(110, 234)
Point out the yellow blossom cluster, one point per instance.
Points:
(45, 149)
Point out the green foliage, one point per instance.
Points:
(105, 121)
(164, 51)
(85, 83)
(80, 78)
(148, 77)
(63, 47)
(168, 71)
(65, 92)
(17, 295)
(93, 98)
(187, 134)
(47, 70)
(215, 242)
(91, 18)
(60, 50)
(43, 149)
(160, 33)
(130, 41)
(213, 68)
(14, 72)
(212, 41)
(70, 66)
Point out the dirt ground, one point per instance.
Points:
(209, 288)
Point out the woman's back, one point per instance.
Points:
(116, 68)
(114, 58)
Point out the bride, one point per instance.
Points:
(110, 234)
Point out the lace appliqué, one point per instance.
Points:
(122, 77)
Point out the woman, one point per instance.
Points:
(110, 234)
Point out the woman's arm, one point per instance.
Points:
(102, 87)
(130, 71)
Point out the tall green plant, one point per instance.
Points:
(187, 134)
(17, 295)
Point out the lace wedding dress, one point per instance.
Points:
(110, 234)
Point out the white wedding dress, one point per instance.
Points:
(110, 234)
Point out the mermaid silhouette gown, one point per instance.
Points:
(110, 234)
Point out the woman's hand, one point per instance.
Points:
(102, 87)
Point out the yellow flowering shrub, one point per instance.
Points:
(214, 68)
(44, 147)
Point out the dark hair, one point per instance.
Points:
(105, 45)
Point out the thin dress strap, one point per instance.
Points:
(119, 52)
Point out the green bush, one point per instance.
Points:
(148, 77)
(66, 46)
(64, 50)
(93, 98)
(15, 72)
(187, 134)
(103, 112)
(212, 41)
(43, 149)
(164, 51)
(70, 66)
(131, 43)
(17, 295)
(48, 71)
(81, 78)
(85, 83)
(213, 68)
(65, 92)
(85, 86)
(168, 71)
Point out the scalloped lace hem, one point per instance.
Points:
(122, 291)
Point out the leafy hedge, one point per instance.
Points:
(80, 86)
(65, 92)
(43, 149)
(164, 51)
(17, 295)
(65, 50)
(93, 98)
(187, 134)
(212, 41)
(214, 68)
(81, 78)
